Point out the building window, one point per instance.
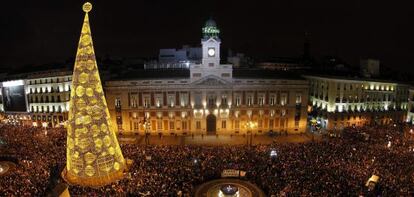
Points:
(171, 101)
(225, 75)
(277, 122)
(172, 125)
(134, 101)
(197, 99)
(136, 126)
(298, 99)
(159, 125)
(337, 99)
(283, 112)
(237, 101)
(249, 100)
(198, 125)
(196, 74)
(272, 100)
(260, 123)
(223, 124)
(210, 64)
(224, 100)
(211, 101)
(261, 100)
(147, 103)
(237, 124)
(184, 100)
(271, 124)
(118, 103)
(158, 101)
(283, 99)
(184, 125)
(297, 115)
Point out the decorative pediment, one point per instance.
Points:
(211, 81)
(212, 40)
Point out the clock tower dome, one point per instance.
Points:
(211, 45)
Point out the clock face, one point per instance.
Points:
(211, 52)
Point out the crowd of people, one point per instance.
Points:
(36, 153)
(331, 167)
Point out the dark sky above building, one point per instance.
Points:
(37, 32)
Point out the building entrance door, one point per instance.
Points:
(211, 124)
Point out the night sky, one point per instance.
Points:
(45, 31)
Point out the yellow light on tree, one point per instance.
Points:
(93, 155)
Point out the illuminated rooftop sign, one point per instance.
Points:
(211, 30)
(13, 83)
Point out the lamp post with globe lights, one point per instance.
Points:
(44, 125)
(146, 124)
(250, 125)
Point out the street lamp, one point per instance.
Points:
(146, 125)
(250, 125)
(44, 124)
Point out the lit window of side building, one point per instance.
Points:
(48, 97)
(340, 102)
(410, 109)
(208, 98)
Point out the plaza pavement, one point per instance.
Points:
(216, 140)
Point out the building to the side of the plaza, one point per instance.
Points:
(410, 108)
(48, 96)
(341, 102)
(45, 101)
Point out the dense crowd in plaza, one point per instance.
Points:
(36, 152)
(338, 166)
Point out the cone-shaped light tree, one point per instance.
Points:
(93, 155)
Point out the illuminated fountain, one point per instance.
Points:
(229, 190)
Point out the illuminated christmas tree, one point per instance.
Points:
(93, 155)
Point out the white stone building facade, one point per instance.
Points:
(209, 99)
(341, 102)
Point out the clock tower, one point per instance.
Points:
(210, 68)
(211, 45)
